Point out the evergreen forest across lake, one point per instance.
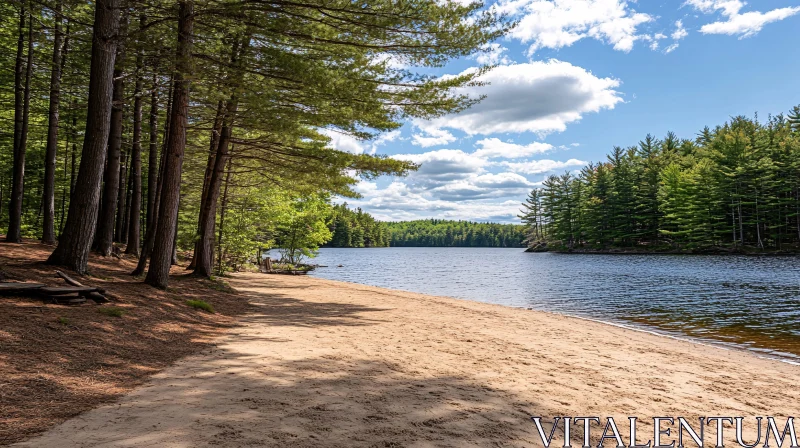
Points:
(733, 188)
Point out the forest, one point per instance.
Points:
(445, 233)
(202, 127)
(733, 188)
(356, 229)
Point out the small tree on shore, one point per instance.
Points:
(302, 230)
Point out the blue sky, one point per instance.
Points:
(576, 78)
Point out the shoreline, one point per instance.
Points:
(763, 353)
(330, 363)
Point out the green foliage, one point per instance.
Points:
(63, 321)
(111, 311)
(200, 305)
(736, 187)
(301, 230)
(356, 229)
(295, 71)
(444, 233)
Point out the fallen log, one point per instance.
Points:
(64, 290)
(96, 296)
(74, 294)
(16, 288)
(72, 282)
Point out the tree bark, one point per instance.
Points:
(212, 154)
(222, 218)
(22, 100)
(150, 234)
(136, 166)
(121, 198)
(74, 243)
(48, 196)
(135, 207)
(152, 163)
(104, 238)
(158, 273)
(208, 211)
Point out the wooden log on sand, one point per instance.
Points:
(73, 294)
(97, 295)
(16, 288)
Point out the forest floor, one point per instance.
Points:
(323, 363)
(58, 361)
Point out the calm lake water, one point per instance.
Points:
(749, 302)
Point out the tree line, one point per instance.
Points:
(356, 229)
(156, 127)
(446, 233)
(735, 187)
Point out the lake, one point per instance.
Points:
(747, 302)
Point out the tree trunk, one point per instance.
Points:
(212, 154)
(104, 238)
(152, 163)
(222, 218)
(48, 196)
(127, 210)
(136, 163)
(65, 187)
(74, 243)
(174, 259)
(121, 196)
(150, 234)
(22, 96)
(204, 254)
(158, 273)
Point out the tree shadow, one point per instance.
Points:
(280, 310)
(312, 402)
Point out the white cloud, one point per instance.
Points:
(443, 165)
(671, 48)
(560, 23)
(680, 32)
(541, 166)
(348, 143)
(496, 148)
(540, 97)
(746, 24)
(431, 135)
(492, 54)
(401, 201)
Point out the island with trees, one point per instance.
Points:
(732, 189)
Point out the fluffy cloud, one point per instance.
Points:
(540, 96)
(736, 23)
(348, 143)
(496, 148)
(560, 23)
(431, 135)
(492, 54)
(444, 165)
(400, 201)
(680, 32)
(542, 166)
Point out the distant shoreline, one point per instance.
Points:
(666, 252)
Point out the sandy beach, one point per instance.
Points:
(324, 363)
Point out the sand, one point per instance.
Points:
(324, 363)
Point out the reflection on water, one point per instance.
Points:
(752, 302)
